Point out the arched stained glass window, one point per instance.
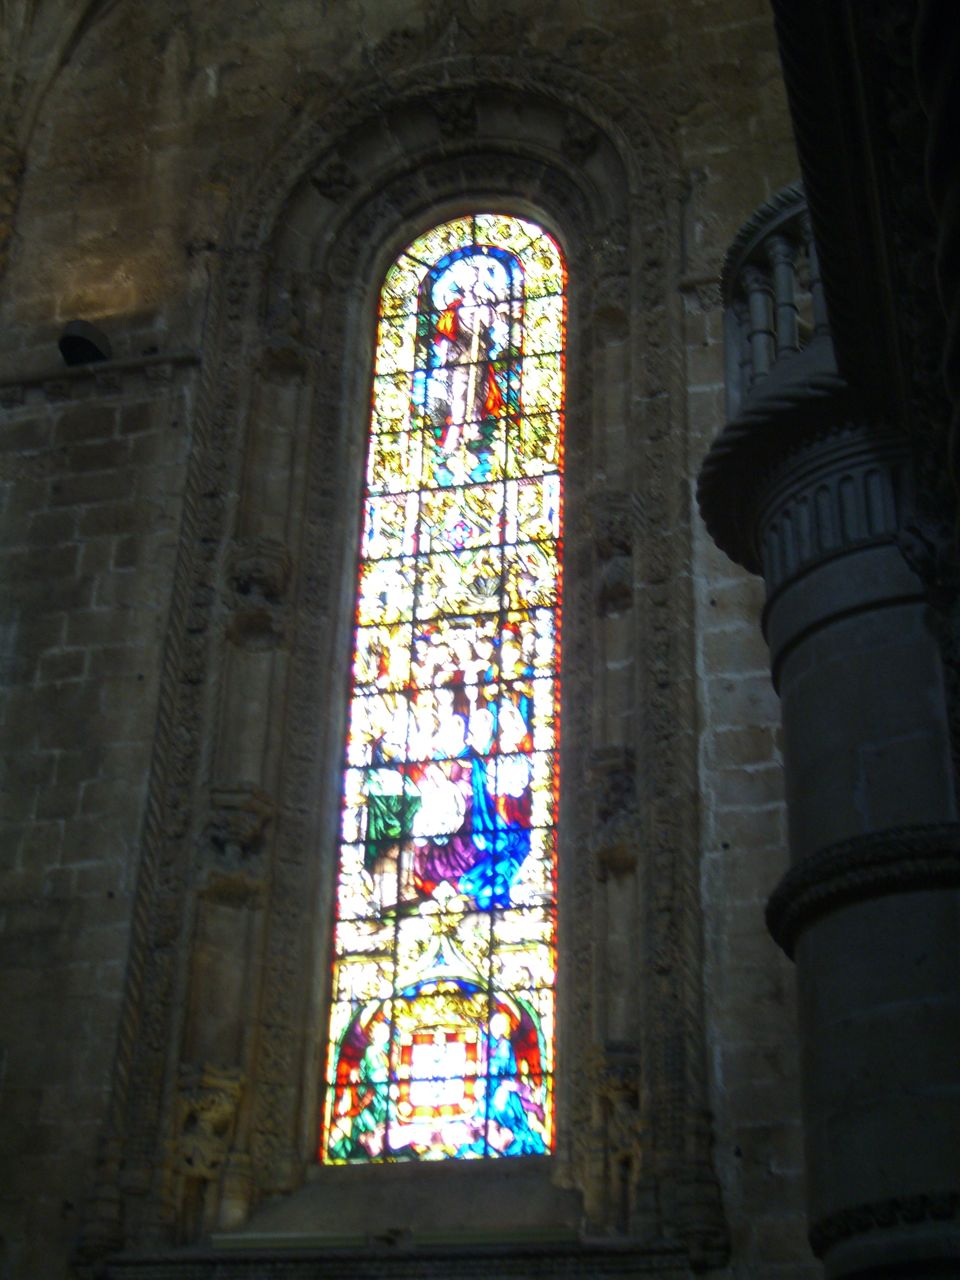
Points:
(442, 1032)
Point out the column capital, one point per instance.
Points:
(802, 399)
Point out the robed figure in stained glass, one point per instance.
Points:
(466, 386)
(442, 1020)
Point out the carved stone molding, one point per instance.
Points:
(893, 861)
(353, 220)
(778, 493)
(880, 1215)
(800, 401)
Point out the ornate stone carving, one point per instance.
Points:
(369, 212)
(260, 569)
(892, 861)
(610, 1138)
(456, 115)
(930, 549)
(236, 823)
(259, 573)
(580, 139)
(333, 178)
(207, 1101)
(612, 526)
(615, 836)
(618, 1091)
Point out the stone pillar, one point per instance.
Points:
(799, 488)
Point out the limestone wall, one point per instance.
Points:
(137, 153)
(92, 484)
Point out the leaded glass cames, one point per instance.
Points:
(442, 1024)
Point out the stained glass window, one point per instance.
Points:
(442, 1033)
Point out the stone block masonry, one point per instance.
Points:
(90, 489)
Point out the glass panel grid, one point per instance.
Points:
(442, 1020)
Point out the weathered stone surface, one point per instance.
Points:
(136, 496)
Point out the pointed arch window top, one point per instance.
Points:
(442, 1033)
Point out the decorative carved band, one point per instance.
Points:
(892, 861)
(840, 494)
(878, 1215)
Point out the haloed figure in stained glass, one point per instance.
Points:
(465, 396)
(442, 1022)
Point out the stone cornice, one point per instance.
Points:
(100, 378)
